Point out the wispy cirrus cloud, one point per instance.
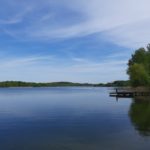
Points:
(13, 62)
(11, 13)
(121, 22)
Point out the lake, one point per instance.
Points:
(72, 118)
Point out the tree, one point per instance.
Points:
(138, 75)
(139, 67)
(138, 57)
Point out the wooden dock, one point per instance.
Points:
(124, 94)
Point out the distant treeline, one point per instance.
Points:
(60, 84)
(120, 83)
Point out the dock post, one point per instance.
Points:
(116, 90)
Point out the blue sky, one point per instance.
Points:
(70, 40)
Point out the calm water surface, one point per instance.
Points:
(72, 119)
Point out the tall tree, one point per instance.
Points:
(139, 67)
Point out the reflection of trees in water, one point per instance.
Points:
(140, 115)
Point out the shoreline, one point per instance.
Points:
(4, 84)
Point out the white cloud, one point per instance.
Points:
(15, 17)
(133, 35)
(23, 61)
(125, 22)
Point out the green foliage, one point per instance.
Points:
(138, 57)
(139, 67)
(138, 75)
(59, 84)
(119, 83)
(32, 84)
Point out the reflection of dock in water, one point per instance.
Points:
(119, 93)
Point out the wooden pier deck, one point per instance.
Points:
(121, 93)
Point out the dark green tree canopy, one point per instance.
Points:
(139, 67)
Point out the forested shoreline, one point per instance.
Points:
(61, 84)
